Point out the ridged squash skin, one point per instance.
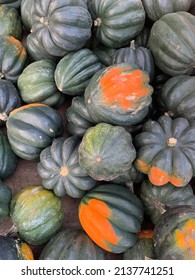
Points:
(11, 3)
(106, 151)
(115, 23)
(62, 25)
(36, 84)
(119, 94)
(165, 151)
(10, 22)
(72, 244)
(155, 9)
(174, 234)
(60, 170)
(26, 10)
(157, 200)
(12, 248)
(172, 43)
(37, 214)
(74, 71)
(31, 128)
(111, 215)
(176, 98)
(5, 198)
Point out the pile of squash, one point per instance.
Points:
(126, 69)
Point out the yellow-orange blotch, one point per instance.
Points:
(27, 252)
(157, 176)
(94, 218)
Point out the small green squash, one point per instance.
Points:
(36, 84)
(13, 58)
(74, 71)
(5, 198)
(166, 151)
(106, 151)
(10, 99)
(157, 200)
(12, 248)
(174, 234)
(111, 215)
(37, 214)
(60, 170)
(10, 22)
(119, 94)
(116, 23)
(72, 244)
(31, 128)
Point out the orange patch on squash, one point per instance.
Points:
(20, 49)
(176, 181)
(27, 252)
(94, 218)
(26, 107)
(145, 233)
(64, 171)
(142, 166)
(185, 237)
(157, 176)
(124, 88)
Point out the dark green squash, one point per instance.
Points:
(119, 94)
(106, 151)
(10, 99)
(37, 214)
(155, 9)
(5, 198)
(157, 200)
(10, 22)
(176, 98)
(36, 84)
(8, 159)
(60, 170)
(78, 118)
(141, 39)
(143, 248)
(61, 26)
(72, 244)
(140, 56)
(104, 54)
(166, 151)
(114, 23)
(26, 10)
(172, 43)
(111, 215)
(74, 71)
(13, 58)
(174, 234)
(31, 128)
(12, 248)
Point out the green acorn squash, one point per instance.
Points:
(26, 10)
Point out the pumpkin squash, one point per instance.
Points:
(61, 26)
(119, 94)
(104, 54)
(157, 200)
(13, 58)
(31, 128)
(8, 159)
(37, 214)
(166, 151)
(5, 198)
(74, 71)
(174, 234)
(71, 244)
(36, 84)
(10, 22)
(116, 23)
(176, 98)
(10, 99)
(106, 151)
(172, 43)
(60, 170)
(26, 10)
(111, 215)
(12, 248)
(155, 9)
(143, 248)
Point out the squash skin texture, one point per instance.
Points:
(119, 94)
(165, 151)
(106, 151)
(111, 215)
(5, 198)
